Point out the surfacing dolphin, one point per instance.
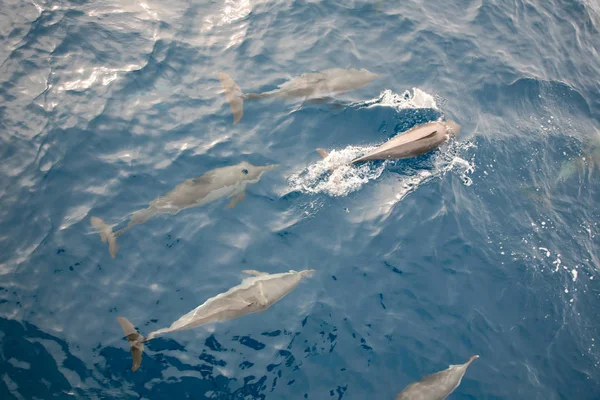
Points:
(254, 295)
(437, 386)
(416, 141)
(230, 181)
(313, 86)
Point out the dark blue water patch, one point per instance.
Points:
(161, 344)
(409, 118)
(210, 359)
(393, 269)
(212, 343)
(272, 334)
(246, 365)
(249, 342)
(526, 94)
(24, 357)
(290, 360)
(339, 391)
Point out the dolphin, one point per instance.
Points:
(313, 86)
(255, 294)
(437, 386)
(230, 181)
(586, 163)
(416, 141)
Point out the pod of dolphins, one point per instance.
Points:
(260, 290)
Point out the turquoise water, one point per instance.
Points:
(487, 246)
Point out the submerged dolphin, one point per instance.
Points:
(313, 86)
(419, 140)
(586, 163)
(584, 166)
(230, 181)
(255, 294)
(437, 386)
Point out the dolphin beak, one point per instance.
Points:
(473, 358)
(270, 167)
(307, 272)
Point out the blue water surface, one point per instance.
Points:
(486, 246)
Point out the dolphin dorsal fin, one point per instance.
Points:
(428, 136)
(254, 272)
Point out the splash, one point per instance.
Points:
(334, 176)
(406, 100)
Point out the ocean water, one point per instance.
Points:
(486, 246)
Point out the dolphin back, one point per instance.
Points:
(321, 83)
(414, 142)
(254, 294)
(277, 286)
(437, 386)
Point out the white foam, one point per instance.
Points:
(333, 176)
(557, 263)
(416, 99)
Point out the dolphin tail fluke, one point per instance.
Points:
(322, 152)
(234, 96)
(106, 234)
(136, 342)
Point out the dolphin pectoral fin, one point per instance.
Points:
(234, 96)
(236, 199)
(322, 153)
(136, 342)
(254, 272)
